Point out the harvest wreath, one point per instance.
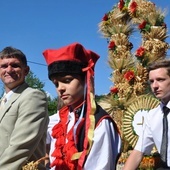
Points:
(130, 95)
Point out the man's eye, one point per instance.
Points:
(15, 65)
(3, 66)
(12, 65)
(161, 80)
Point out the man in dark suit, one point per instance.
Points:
(24, 117)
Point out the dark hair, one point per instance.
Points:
(160, 64)
(10, 52)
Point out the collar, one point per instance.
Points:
(167, 105)
(78, 109)
(9, 94)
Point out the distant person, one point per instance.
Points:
(156, 119)
(23, 115)
(81, 135)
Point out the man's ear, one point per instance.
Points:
(27, 69)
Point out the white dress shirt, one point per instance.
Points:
(9, 94)
(152, 134)
(104, 150)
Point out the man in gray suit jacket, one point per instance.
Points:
(24, 117)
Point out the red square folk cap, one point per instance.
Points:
(73, 58)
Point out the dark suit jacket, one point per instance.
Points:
(23, 126)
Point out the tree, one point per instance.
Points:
(99, 97)
(52, 106)
(34, 82)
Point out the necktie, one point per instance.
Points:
(2, 102)
(164, 145)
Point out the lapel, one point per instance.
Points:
(13, 98)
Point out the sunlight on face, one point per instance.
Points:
(12, 72)
(160, 83)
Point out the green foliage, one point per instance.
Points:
(52, 106)
(99, 97)
(34, 82)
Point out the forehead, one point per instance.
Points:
(10, 60)
(158, 72)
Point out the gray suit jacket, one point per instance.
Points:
(23, 126)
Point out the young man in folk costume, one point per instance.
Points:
(81, 135)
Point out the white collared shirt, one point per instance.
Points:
(105, 143)
(152, 134)
(9, 94)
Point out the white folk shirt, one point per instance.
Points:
(105, 147)
(152, 132)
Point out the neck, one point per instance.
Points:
(73, 108)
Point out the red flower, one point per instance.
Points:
(133, 7)
(105, 18)
(140, 52)
(121, 4)
(129, 75)
(142, 25)
(114, 90)
(111, 45)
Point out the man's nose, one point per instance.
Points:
(9, 68)
(155, 84)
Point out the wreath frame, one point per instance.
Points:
(130, 76)
(143, 103)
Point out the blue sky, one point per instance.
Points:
(36, 25)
